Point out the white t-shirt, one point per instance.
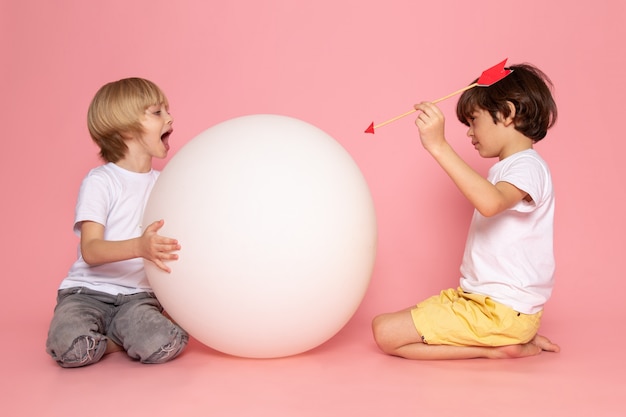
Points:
(115, 198)
(509, 257)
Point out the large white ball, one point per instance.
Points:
(278, 235)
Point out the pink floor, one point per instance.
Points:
(346, 376)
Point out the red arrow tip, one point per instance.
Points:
(370, 129)
(493, 74)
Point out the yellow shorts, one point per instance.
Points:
(457, 318)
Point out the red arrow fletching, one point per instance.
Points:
(493, 74)
(370, 129)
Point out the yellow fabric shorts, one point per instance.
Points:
(458, 318)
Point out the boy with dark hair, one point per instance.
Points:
(508, 264)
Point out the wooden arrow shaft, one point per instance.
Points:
(386, 122)
(459, 91)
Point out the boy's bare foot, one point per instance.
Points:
(545, 344)
(112, 347)
(532, 348)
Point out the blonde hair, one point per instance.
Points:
(115, 112)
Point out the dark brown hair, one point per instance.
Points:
(527, 88)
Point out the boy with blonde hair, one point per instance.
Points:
(106, 303)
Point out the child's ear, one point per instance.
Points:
(128, 135)
(510, 119)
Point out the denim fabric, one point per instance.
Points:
(84, 319)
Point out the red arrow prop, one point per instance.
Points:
(488, 77)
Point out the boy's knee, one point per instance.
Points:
(377, 329)
(381, 333)
(85, 350)
(170, 350)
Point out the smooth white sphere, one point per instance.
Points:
(278, 235)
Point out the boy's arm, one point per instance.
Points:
(487, 198)
(151, 246)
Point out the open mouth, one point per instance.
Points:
(165, 138)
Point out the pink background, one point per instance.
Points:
(338, 65)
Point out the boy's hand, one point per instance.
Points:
(157, 248)
(430, 123)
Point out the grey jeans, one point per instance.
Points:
(84, 319)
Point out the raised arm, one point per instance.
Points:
(487, 198)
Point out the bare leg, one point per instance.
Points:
(396, 335)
